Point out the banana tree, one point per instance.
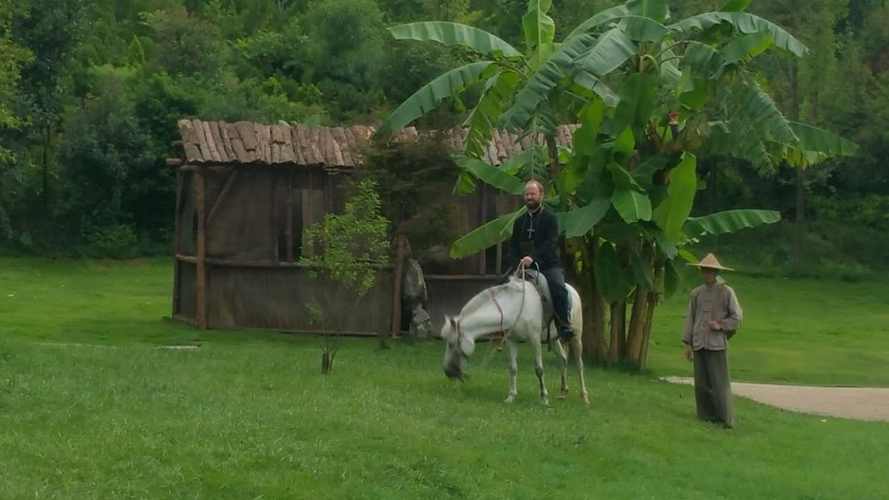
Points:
(651, 96)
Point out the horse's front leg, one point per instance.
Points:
(512, 354)
(538, 369)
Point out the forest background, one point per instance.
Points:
(90, 92)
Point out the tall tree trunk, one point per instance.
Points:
(653, 299)
(636, 330)
(595, 345)
(553, 149)
(617, 347)
(45, 172)
(798, 233)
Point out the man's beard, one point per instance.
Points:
(532, 205)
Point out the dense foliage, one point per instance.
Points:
(90, 91)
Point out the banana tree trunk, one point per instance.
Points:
(649, 319)
(617, 346)
(636, 331)
(595, 345)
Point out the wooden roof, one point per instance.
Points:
(294, 144)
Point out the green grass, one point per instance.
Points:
(91, 408)
(819, 332)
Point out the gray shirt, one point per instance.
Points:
(706, 303)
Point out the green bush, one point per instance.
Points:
(117, 242)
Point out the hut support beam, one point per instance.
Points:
(483, 218)
(177, 240)
(400, 254)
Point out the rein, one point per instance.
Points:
(506, 332)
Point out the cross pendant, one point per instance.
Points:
(530, 232)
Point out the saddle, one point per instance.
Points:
(538, 279)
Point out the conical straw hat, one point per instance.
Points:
(710, 262)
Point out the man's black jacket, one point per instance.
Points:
(536, 234)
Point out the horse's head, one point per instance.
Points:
(458, 348)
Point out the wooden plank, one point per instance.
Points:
(287, 154)
(400, 254)
(247, 133)
(201, 262)
(226, 136)
(329, 202)
(264, 142)
(280, 134)
(202, 141)
(305, 147)
(483, 218)
(190, 141)
(218, 142)
(324, 144)
(352, 153)
(229, 181)
(339, 160)
(288, 230)
(499, 265)
(339, 136)
(211, 144)
(297, 149)
(313, 136)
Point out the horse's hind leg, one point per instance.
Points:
(538, 369)
(513, 370)
(577, 345)
(563, 369)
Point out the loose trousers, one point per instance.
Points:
(713, 390)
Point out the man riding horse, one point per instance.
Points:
(535, 242)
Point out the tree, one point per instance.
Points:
(345, 250)
(51, 30)
(13, 57)
(651, 98)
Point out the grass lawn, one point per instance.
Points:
(91, 408)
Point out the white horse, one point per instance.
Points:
(515, 308)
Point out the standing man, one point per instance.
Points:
(714, 315)
(535, 240)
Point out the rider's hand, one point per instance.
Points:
(689, 354)
(526, 261)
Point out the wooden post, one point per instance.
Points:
(400, 251)
(201, 263)
(499, 258)
(483, 215)
(177, 241)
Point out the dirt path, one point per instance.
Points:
(857, 403)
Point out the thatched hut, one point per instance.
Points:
(245, 191)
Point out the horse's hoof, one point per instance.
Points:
(563, 395)
(544, 401)
(509, 399)
(586, 398)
